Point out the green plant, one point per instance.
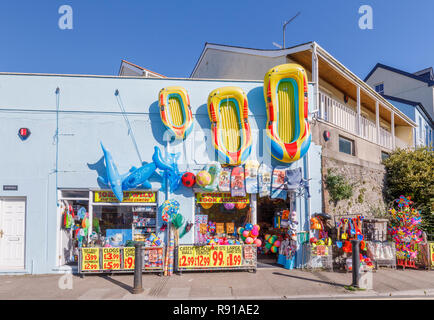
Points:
(338, 187)
(411, 173)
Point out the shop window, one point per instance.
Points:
(346, 146)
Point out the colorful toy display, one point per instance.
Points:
(264, 180)
(231, 134)
(317, 225)
(169, 209)
(208, 178)
(229, 206)
(405, 229)
(272, 243)
(175, 111)
(285, 93)
(237, 182)
(225, 179)
(251, 175)
(249, 234)
(188, 179)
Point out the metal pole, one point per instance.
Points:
(355, 262)
(138, 268)
(284, 26)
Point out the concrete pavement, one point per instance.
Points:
(266, 283)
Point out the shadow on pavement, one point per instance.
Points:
(118, 283)
(313, 280)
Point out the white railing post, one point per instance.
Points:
(392, 129)
(358, 111)
(377, 121)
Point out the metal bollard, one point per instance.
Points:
(355, 262)
(138, 264)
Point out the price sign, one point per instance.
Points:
(209, 256)
(90, 259)
(129, 255)
(111, 258)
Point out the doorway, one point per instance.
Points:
(12, 233)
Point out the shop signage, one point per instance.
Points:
(219, 197)
(210, 256)
(90, 260)
(431, 254)
(129, 254)
(129, 197)
(10, 188)
(111, 259)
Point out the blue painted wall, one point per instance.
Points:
(89, 113)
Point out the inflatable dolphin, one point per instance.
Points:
(140, 176)
(113, 179)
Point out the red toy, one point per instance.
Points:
(188, 179)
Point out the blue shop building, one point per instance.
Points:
(51, 129)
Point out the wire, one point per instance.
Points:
(130, 131)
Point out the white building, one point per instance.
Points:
(412, 93)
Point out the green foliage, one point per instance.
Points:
(411, 173)
(338, 187)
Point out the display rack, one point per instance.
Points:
(144, 222)
(316, 257)
(218, 257)
(382, 253)
(119, 260)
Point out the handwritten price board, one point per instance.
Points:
(129, 255)
(90, 259)
(209, 257)
(111, 259)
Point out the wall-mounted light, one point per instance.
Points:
(345, 98)
(24, 133)
(326, 135)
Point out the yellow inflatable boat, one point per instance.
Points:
(285, 93)
(175, 111)
(231, 134)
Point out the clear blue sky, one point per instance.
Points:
(168, 36)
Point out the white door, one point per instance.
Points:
(12, 230)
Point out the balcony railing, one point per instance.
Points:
(344, 117)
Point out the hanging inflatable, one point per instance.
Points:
(208, 178)
(231, 135)
(285, 93)
(175, 111)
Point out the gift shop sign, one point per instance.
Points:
(129, 197)
(219, 197)
(210, 256)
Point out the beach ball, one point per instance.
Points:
(229, 206)
(267, 237)
(257, 227)
(249, 240)
(274, 249)
(254, 232)
(276, 243)
(169, 208)
(203, 178)
(206, 205)
(240, 230)
(188, 179)
(268, 245)
(240, 205)
(257, 242)
(246, 233)
(249, 226)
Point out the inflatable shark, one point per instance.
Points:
(113, 178)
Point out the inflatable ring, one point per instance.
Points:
(230, 128)
(285, 93)
(175, 111)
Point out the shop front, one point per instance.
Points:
(99, 232)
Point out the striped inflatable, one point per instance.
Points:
(231, 135)
(285, 93)
(175, 111)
